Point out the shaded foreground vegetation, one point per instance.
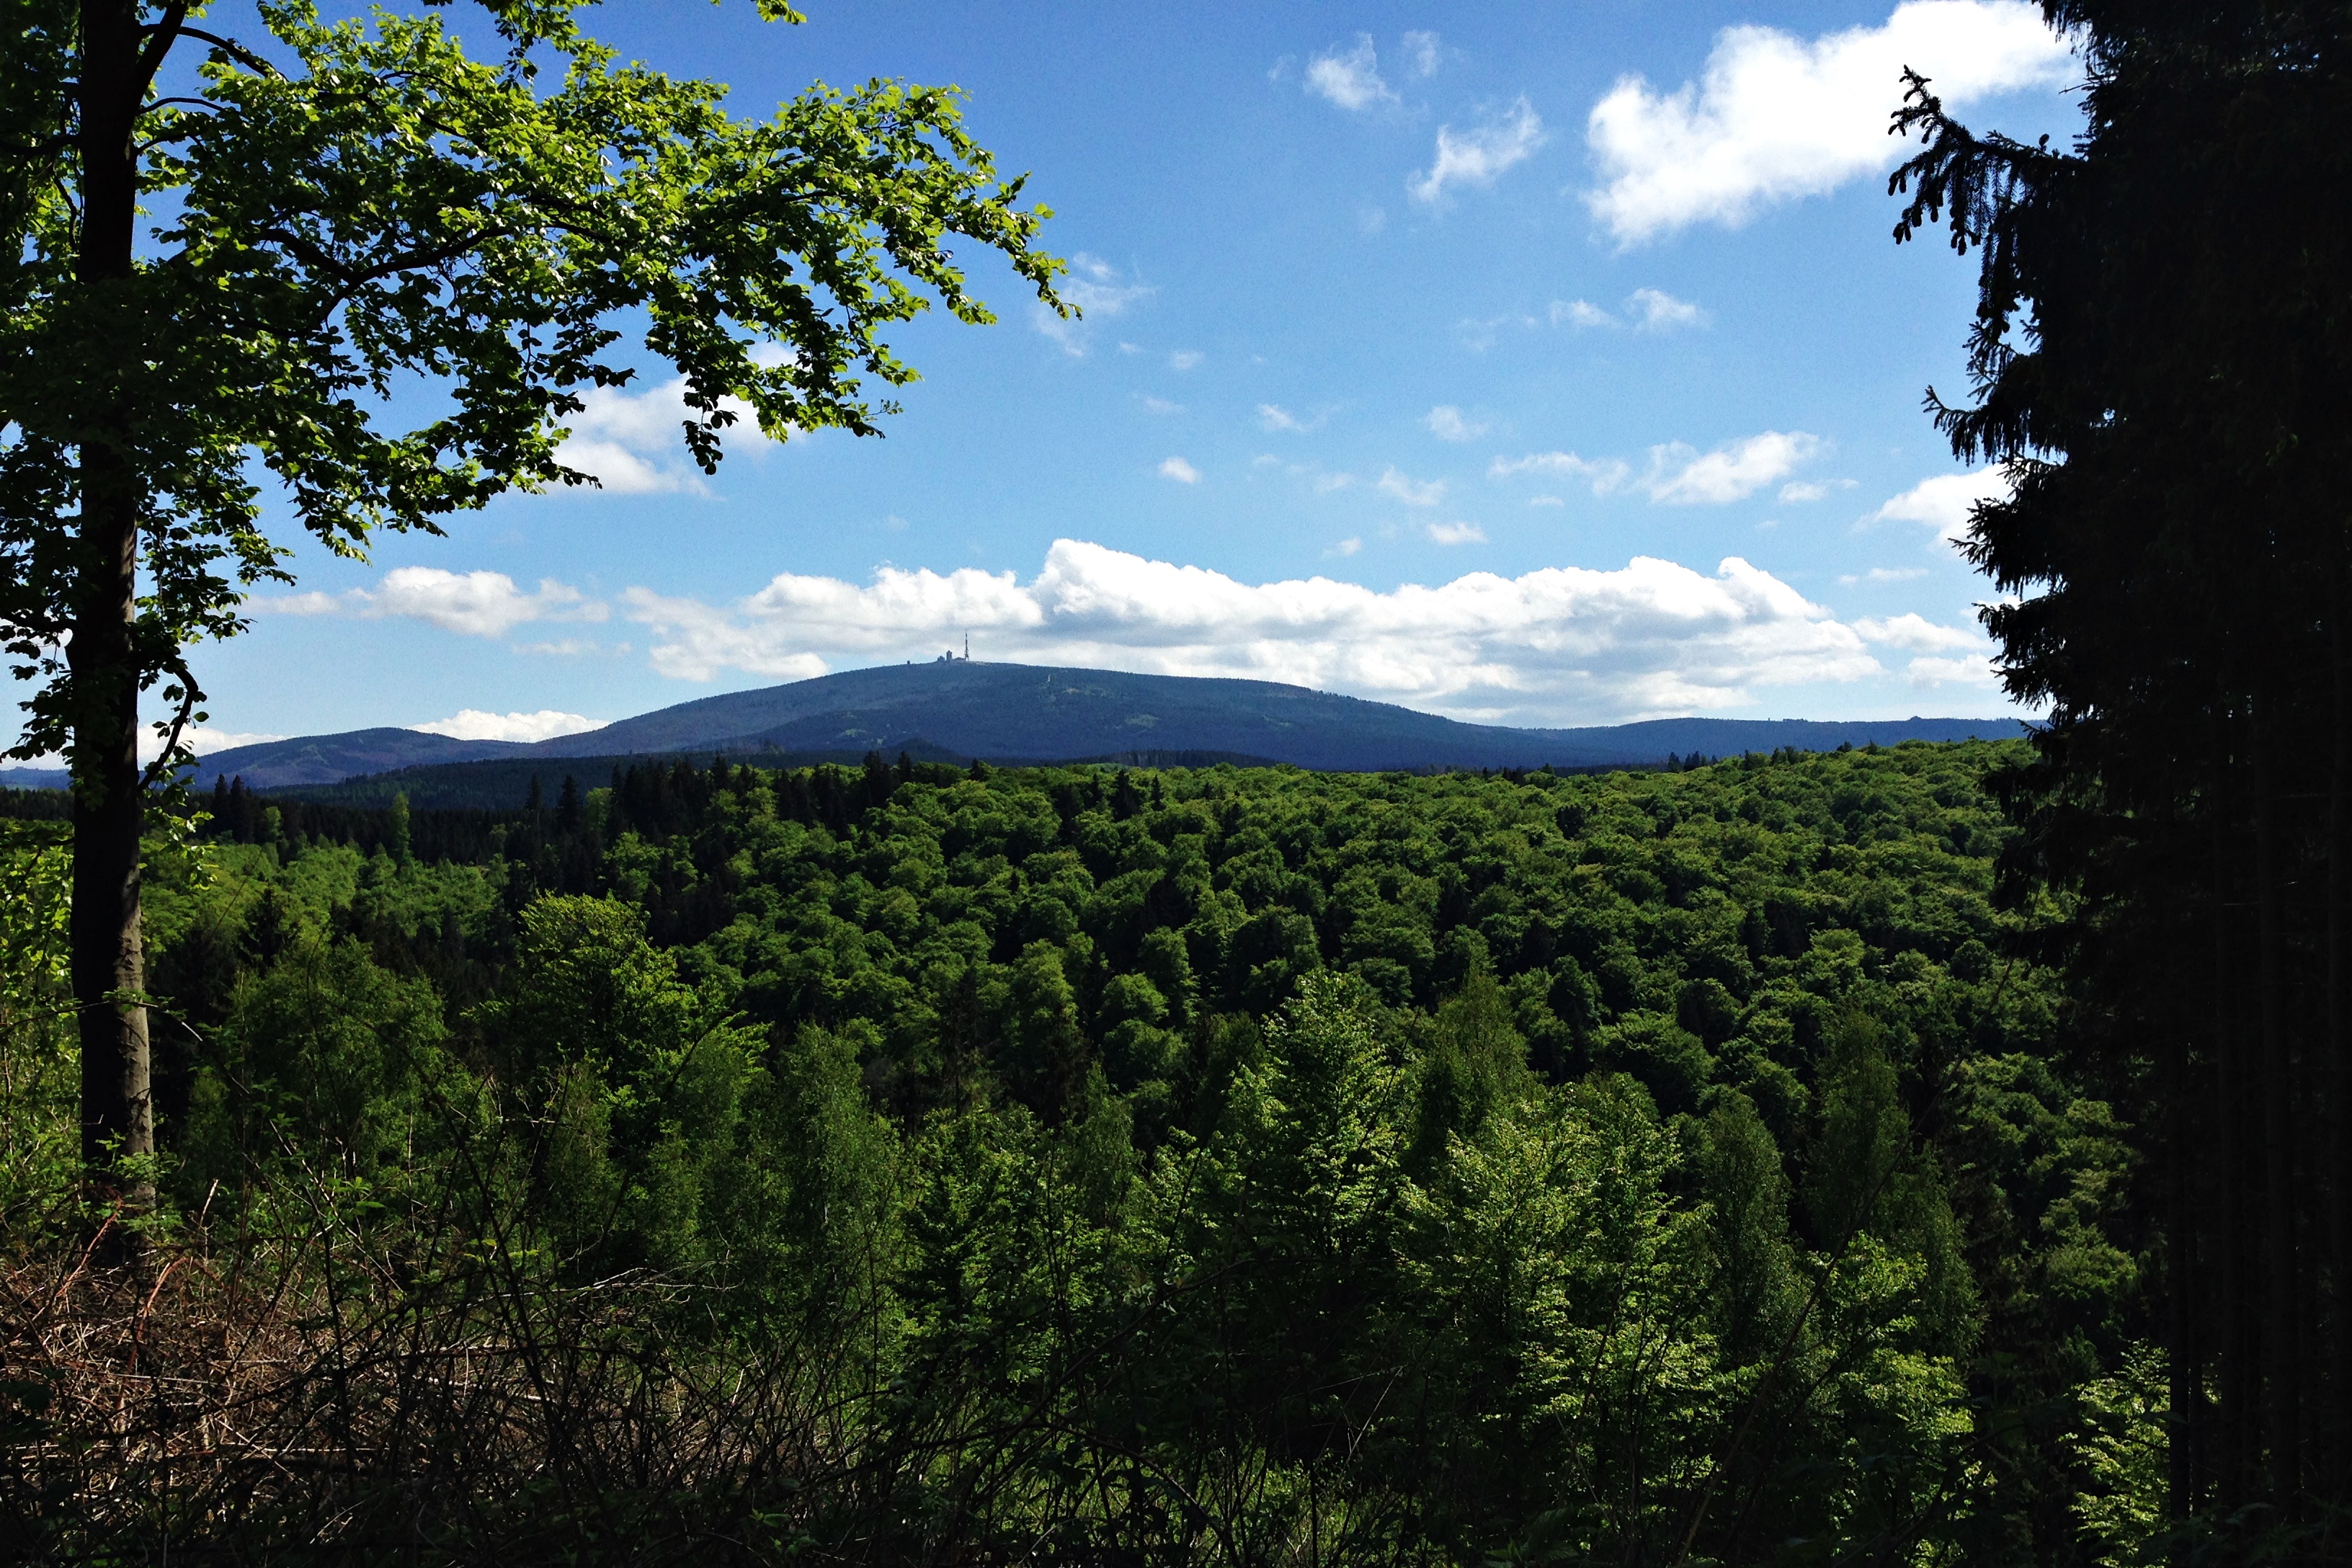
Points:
(1232, 1167)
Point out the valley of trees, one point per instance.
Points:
(907, 1163)
(1929, 1155)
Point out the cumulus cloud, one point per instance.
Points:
(1681, 476)
(1917, 633)
(1645, 310)
(1100, 292)
(632, 443)
(1775, 117)
(1944, 502)
(1271, 417)
(1655, 310)
(1557, 646)
(1183, 473)
(473, 724)
(1346, 547)
(1412, 492)
(1677, 474)
(1445, 422)
(474, 603)
(1479, 156)
(478, 604)
(1457, 533)
(1351, 80)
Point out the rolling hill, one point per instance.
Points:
(959, 710)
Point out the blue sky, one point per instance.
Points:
(1542, 364)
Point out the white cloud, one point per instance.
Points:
(1412, 492)
(1422, 53)
(1944, 502)
(1478, 336)
(1457, 533)
(1445, 423)
(474, 603)
(1680, 476)
(203, 740)
(1581, 314)
(1184, 359)
(1479, 156)
(1558, 646)
(473, 724)
(1099, 291)
(1605, 474)
(1775, 117)
(1351, 80)
(1345, 547)
(1793, 494)
(478, 604)
(1183, 473)
(1655, 310)
(1648, 310)
(1916, 633)
(1160, 405)
(633, 442)
(1546, 500)
(1275, 416)
(1885, 574)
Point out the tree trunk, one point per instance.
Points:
(2230, 1469)
(108, 967)
(2339, 1086)
(2282, 1358)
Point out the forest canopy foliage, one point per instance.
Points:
(1223, 1165)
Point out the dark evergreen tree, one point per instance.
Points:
(2162, 360)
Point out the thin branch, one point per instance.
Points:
(47, 146)
(235, 51)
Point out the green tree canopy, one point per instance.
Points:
(346, 220)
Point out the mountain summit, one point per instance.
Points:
(959, 709)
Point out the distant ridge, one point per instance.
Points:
(960, 710)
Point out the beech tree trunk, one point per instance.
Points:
(109, 966)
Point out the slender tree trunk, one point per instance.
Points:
(2281, 1359)
(2338, 1089)
(108, 967)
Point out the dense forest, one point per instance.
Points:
(1931, 1155)
(907, 1163)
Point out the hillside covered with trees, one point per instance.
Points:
(1218, 1164)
